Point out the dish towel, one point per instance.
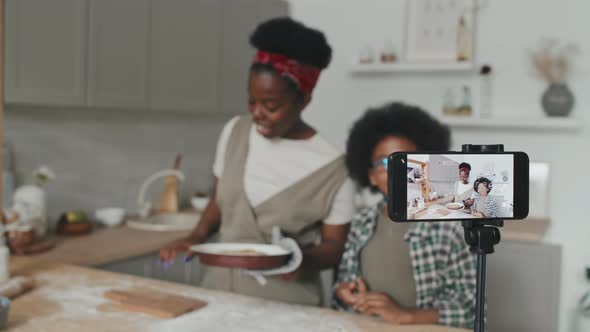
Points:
(286, 243)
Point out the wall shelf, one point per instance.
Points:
(413, 67)
(529, 123)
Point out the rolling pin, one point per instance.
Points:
(16, 286)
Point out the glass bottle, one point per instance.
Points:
(366, 54)
(463, 40)
(465, 107)
(449, 106)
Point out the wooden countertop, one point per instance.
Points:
(70, 298)
(102, 246)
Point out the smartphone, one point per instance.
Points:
(457, 186)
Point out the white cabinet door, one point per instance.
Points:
(118, 53)
(46, 51)
(184, 56)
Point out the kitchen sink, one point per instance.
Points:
(166, 221)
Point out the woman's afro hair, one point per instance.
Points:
(294, 40)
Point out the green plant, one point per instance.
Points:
(42, 175)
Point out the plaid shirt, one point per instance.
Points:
(444, 269)
(491, 207)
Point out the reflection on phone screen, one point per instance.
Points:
(460, 186)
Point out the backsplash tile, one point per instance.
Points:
(101, 157)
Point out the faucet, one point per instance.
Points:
(145, 206)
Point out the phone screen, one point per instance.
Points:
(457, 186)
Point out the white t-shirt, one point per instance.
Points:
(462, 188)
(275, 164)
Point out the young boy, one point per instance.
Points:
(405, 273)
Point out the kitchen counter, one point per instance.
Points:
(70, 298)
(103, 245)
(439, 211)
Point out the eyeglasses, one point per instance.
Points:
(380, 163)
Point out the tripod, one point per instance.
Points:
(481, 236)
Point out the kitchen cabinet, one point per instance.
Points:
(185, 52)
(118, 53)
(137, 266)
(148, 266)
(204, 68)
(46, 51)
(523, 287)
(163, 55)
(240, 18)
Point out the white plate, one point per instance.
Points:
(455, 206)
(223, 248)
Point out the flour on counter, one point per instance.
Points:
(80, 303)
(77, 301)
(228, 312)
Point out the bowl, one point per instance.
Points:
(199, 203)
(110, 216)
(81, 228)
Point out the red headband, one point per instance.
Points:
(304, 76)
(467, 170)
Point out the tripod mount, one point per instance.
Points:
(481, 236)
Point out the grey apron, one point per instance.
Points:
(463, 196)
(386, 265)
(298, 210)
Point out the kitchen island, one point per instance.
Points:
(70, 298)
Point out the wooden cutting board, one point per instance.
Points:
(154, 303)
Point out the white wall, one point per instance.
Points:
(506, 30)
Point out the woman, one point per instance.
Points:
(463, 189)
(406, 273)
(273, 169)
(483, 205)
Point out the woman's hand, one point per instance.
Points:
(380, 304)
(168, 252)
(348, 292)
(477, 214)
(323, 256)
(210, 222)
